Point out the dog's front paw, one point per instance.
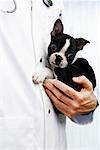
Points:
(38, 77)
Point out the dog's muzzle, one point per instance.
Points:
(58, 60)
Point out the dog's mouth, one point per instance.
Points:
(54, 64)
(58, 66)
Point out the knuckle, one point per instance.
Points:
(57, 103)
(50, 95)
(72, 113)
(52, 87)
(91, 86)
(84, 78)
(76, 106)
(81, 98)
(60, 96)
(66, 90)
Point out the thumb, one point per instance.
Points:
(84, 82)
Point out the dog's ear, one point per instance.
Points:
(80, 43)
(58, 28)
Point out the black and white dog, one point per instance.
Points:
(63, 59)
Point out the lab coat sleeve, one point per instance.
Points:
(85, 118)
(88, 117)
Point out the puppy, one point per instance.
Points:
(63, 59)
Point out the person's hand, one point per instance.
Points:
(67, 100)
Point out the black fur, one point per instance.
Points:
(80, 67)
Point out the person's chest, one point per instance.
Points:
(27, 28)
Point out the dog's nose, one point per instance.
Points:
(58, 59)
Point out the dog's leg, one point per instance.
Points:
(41, 75)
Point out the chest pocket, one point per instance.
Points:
(8, 6)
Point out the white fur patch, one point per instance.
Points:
(78, 55)
(40, 75)
(65, 47)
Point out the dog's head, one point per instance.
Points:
(63, 48)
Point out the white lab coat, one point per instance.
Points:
(27, 118)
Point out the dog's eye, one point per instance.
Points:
(70, 55)
(70, 58)
(53, 47)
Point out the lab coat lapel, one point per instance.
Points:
(42, 26)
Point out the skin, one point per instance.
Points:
(67, 100)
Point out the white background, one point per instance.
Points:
(82, 19)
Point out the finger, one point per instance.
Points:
(89, 105)
(55, 100)
(83, 111)
(65, 99)
(84, 82)
(59, 105)
(68, 91)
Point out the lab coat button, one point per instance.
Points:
(41, 60)
(49, 111)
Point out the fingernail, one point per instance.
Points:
(75, 78)
(49, 80)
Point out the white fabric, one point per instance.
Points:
(25, 123)
(82, 19)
